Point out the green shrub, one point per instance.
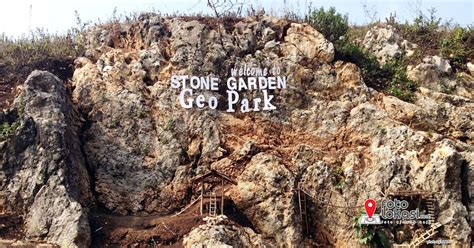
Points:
(391, 77)
(7, 129)
(370, 235)
(422, 27)
(329, 23)
(38, 51)
(400, 86)
(365, 233)
(458, 46)
(436, 38)
(374, 76)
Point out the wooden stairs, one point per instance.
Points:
(425, 236)
(302, 203)
(418, 241)
(431, 207)
(213, 205)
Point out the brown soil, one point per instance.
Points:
(11, 227)
(284, 140)
(109, 230)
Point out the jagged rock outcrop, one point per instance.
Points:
(265, 193)
(146, 131)
(400, 159)
(329, 131)
(46, 178)
(305, 45)
(221, 232)
(156, 148)
(385, 43)
(434, 73)
(329, 128)
(435, 111)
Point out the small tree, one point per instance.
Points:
(331, 24)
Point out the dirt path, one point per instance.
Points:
(110, 230)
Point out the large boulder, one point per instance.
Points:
(265, 194)
(119, 123)
(221, 232)
(46, 178)
(385, 43)
(432, 68)
(304, 43)
(145, 128)
(435, 73)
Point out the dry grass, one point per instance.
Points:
(38, 51)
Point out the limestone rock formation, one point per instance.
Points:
(430, 71)
(305, 43)
(46, 178)
(338, 137)
(265, 193)
(434, 73)
(330, 133)
(385, 43)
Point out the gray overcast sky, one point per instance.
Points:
(16, 17)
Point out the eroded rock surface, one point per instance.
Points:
(330, 132)
(386, 43)
(221, 232)
(46, 179)
(265, 193)
(435, 73)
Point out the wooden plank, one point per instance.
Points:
(202, 193)
(222, 197)
(216, 174)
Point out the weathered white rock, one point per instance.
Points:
(441, 65)
(430, 71)
(221, 232)
(385, 43)
(303, 42)
(470, 67)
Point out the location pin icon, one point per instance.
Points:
(370, 207)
